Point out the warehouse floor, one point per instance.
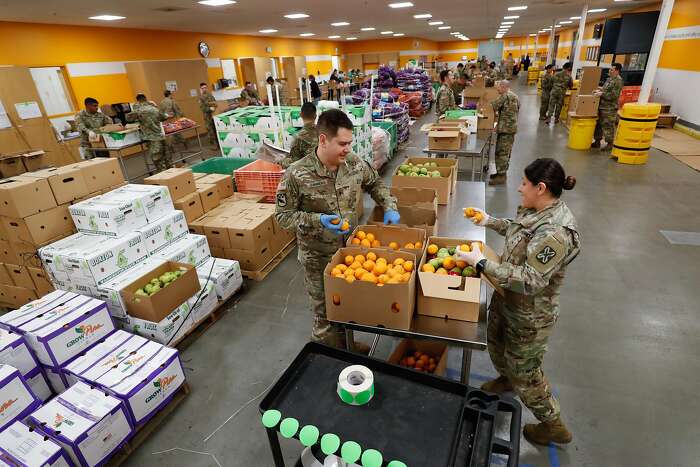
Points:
(623, 358)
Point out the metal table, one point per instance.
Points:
(475, 145)
(119, 154)
(469, 336)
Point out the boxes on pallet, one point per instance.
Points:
(163, 232)
(191, 205)
(179, 181)
(21, 445)
(224, 183)
(104, 215)
(100, 173)
(16, 399)
(21, 196)
(74, 418)
(209, 196)
(40, 228)
(156, 200)
(225, 275)
(168, 330)
(67, 183)
(191, 249)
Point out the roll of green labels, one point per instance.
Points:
(356, 385)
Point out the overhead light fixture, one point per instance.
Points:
(367, 29)
(423, 16)
(107, 17)
(597, 10)
(575, 17)
(216, 2)
(507, 22)
(296, 16)
(511, 17)
(517, 8)
(340, 23)
(386, 32)
(351, 38)
(401, 5)
(307, 34)
(398, 34)
(435, 23)
(456, 33)
(445, 27)
(464, 38)
(565, 22)
(533, 35)
(267, 31)
(334, 37)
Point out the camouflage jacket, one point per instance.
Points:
(308, 189)
(170, 107)
(445, 100)
(547, 81)
(457, 88)
(507, 105)
(304, 142)
(149, 119)
(207, 104)
(561, 82)
(611, 93)
(90, 122)
(250, 95)
(538, 248)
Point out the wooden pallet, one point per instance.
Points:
(274, 262)
(145, 431)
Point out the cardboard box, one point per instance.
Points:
(198, 175)
(442, 185)
(225, 274)
(99, 358)
(439, 162)
(20, 276)
(67, 183)
(18, 400)
(209, 195)
(223, 182)
(4, 276)
(449, 297)
(180, 182)
(204, 302)
(16, 297)
(393, 233)
(15, 351)
(444, 139)
(252, 260)
(89, 411)
(11, 166)
(14, 319)
(421, 198)
(590, 79)
(4, 237)
(22, 445)
(42, 286)
(40, 228)
(585, 105)
(170, 329)
(19, 253)
(430, 347)
(197, 226)
(217, 252)
(417, 218)
(100, 173)
(191, 205)
(163, 232)
(108, 216)
(191, 249)
(244, 231)
(156, 200)
(390, 306)
(34, 160)
(21, 197)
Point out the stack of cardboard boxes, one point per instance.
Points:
(481, 96)
(12, 165)
(34, 212)
(582, 102)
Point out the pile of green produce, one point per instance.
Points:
(158, 283)
(419, 170)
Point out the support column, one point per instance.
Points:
(550, 48)
(655, 52)
(575, 59)
(536, 53)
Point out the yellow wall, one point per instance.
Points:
(324, 66)
(105, 88)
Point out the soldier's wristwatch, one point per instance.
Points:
(481, 265)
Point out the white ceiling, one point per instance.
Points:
(476, 19)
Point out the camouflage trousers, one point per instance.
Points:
(556, 102)
(504, 146)
(211, 129)
(159, 154)
(544, 105)
(605, 126)
(517, 347)
(171, 141)
(322, 330)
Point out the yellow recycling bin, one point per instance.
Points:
(635, 130)
(581, 132)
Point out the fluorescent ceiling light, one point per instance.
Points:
(367, 29)
(216, 2)
(455, 33)
(267, 31)
(334, 37)
(435, 23)
(575, 17)
(565, 22)
(533, 35)
(107, 17)
(398, 34)
(511, 17)
(464, 38)
(341, 23)
(507, 22)
(597, 10)
(517, 8)
(423, 16)
(351, 38)
(296, 15)
(387, 32)
(401, 5)
(445, 27)
(307, 34)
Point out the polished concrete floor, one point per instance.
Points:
(623, 358)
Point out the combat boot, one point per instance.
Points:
(499, 179)
(595, 144)
(547, 432)
(607, 148)
(498, 385)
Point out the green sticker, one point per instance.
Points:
(329, 443)
(396, 464)
(289, 427)
(271, 418)
(308, 435)
(372, 458)
(351, 451)
(364, 397)
(346, 396)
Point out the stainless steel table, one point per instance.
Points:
(475, 145)
(469, 336)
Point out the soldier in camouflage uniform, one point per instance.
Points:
(483, 63)
(507, 106)
(445, 99)
(491, 75)
(315, 191)
(250, 95)
(207, 104)
(150, 118)
(539, 245)
(546, 90)
(607, 109)
(560, 83)
(170, 107)
(307, 139)
(89, 121)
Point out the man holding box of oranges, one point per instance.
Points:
(317, 197)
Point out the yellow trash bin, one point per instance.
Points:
(581, 132)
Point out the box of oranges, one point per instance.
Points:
(423, 355)
(449, 288)
(371, 286)
(389, 237)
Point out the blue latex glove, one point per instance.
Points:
(391, 216)
(335, 228)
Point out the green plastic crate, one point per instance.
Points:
(221, 165)
(457, 114)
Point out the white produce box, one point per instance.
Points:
(39, 384)
(16, 318)
(15, 352)
(224, 273)
(169, 329)
(155, 199)
(16, 399)
(192, 249)
(111, 217)
(22, 446)
(164, 231)
(203, 302)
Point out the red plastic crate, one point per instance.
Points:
(259, 177)
(629, 94)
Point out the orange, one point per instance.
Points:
(349, 279)
(448, 263)
(394, 280)
(406, 277)
(349, 260)
(368, 265)
(478, 217)
(465, 248)
(361, 234)
(345, 226)
(461, 264)
(349, 272)
(366, 243)
(341, 267)
(379, 269)
(372, 256)
(409, 246)
(408, 266)
(369, 277)
(359, 273)
(381, 260)
(418, 245)
(336, 221)
(383, 278)
(356, 265)
(433, 249)
(428, 268)
(376, 244)
(371, 237)
(441, 272)
(391, 272)
(336, 272)
(469, 212)
(355, 241)
(399, 261)
(393, 245)
(360, 259)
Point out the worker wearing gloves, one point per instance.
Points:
(539, 245)
(560, 83)
(172, 109)
(149, 117)
(546, 87)
(207, 104)
(89, 121)
(445, 97)
(250, 94)
(306, 139)
(317, 198)
(507, 106)
(607, 109)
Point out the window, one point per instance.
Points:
(52, 89)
